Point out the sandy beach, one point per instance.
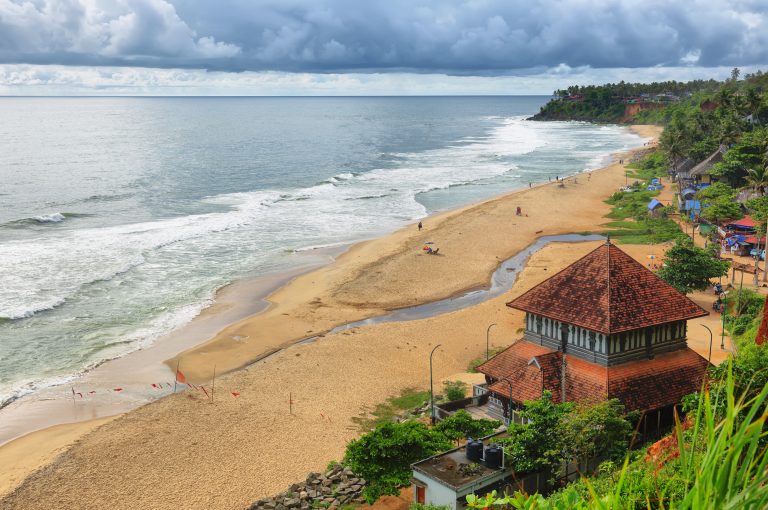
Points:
(183, 451)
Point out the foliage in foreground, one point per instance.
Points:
(721, 465)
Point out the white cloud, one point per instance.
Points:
(126, 29)
(25, 79)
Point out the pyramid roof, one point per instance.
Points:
(609, 292)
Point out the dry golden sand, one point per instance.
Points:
(184, 452)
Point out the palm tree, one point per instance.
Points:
(757, 178)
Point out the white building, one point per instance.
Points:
(447, 478)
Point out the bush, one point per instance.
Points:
(461, 425)
(454, 390)
(384, 456)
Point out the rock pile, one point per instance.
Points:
(333, 489)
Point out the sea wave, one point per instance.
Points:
(95, 356)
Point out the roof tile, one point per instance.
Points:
(607, 291)
(639, 385)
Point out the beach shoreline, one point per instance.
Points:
(349, 297)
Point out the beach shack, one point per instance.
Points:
(604, 327)
(691, 208)
(739, 236)
(702, 173)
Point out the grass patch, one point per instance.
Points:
(653, 165)
(631, 223)
(644, 231)
(472, 367)
(408, 398)
(629, 205)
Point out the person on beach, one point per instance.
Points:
(420, 226)
(530, 184)
(589, 176)
(519, 211)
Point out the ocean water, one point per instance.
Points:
(121, 217)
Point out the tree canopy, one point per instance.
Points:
(384, 455)
(688, 267)
(461, 425)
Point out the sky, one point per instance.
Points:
(369, 47)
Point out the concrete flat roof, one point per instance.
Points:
(445, 467)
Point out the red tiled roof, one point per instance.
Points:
(746, 221)
(513, 364)
(643, 385)
(607, 291)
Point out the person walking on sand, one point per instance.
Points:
(589, 176)
(420, 226)
(519, 211)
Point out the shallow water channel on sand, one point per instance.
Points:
(501, 281)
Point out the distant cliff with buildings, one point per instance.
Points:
(619, 102)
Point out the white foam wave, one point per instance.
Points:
(136, 340)
(49, 218)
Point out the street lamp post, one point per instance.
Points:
(431, 393)
(487, 341)
(710, 342)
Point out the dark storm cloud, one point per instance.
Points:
(483, 37)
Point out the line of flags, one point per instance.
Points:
(156, 386)
(179, 379)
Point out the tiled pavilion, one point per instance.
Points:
(604, 327)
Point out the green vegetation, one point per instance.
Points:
(743, 313)
(557, 433)
(460, 425)
(409, 398)
(554, 433)
(688, 267)
(419, 506)
(630, 205)
(722, 462)
(643, 229)
(384, 456)
(454, 390)
(606, 103)
(652, 165)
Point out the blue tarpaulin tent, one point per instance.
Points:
(692, 205)
(653, 204)
(688, 192)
